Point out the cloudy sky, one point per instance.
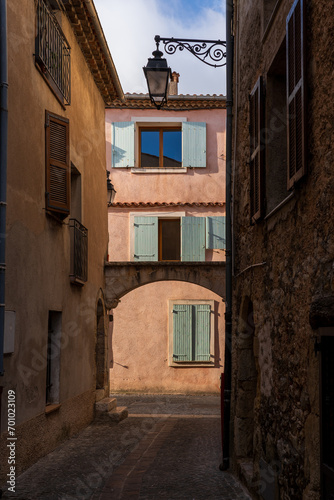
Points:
(130, 27)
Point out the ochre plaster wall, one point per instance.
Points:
(139, 342)
(38, 247)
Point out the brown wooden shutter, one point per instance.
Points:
(57, 165)
(295, 68)
(256, 130)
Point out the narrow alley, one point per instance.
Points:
(168, 448)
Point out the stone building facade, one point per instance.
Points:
(57, 234)
(283, 274)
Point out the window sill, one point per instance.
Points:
(51, 408)
(143, 170)
(192, 364)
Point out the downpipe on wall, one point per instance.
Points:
(228, 311)
(3, 166)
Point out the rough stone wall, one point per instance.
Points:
(281, 264)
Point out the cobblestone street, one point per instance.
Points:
(169, 448)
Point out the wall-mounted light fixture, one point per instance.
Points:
(111, 190)
(158, 73)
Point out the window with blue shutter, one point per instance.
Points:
(123, 144)
(194, 144)
(215, 232)
(182, 332)
(146, 238)
(191, 332)
(192, 239)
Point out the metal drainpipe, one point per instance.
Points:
(228, 311)
(3, 165)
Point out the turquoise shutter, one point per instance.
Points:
(192, 239)
(215, 232)
(182, 332)
(123, 144)
(202, 332)
(146, 238)
(194, 144)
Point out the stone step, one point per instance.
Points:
(99, 394)
(106, 405)
(118, 414)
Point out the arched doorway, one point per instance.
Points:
(101, 348)
(246, 382)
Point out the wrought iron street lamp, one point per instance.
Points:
(157, 72)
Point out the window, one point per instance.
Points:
(169, 239)
(53, 358)
(191, 332)
(57, 165)
(276, 132)
(52, 52)
(176, 238)
(277, 135)
(256, 150)
(162, 146)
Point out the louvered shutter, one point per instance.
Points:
(256, 129)
(146, 238)
(192, 239)
(182, 332)
(194, 144)
(123, 144)
(202, 332)
(57, 165)
(295, 52)
(215, 232)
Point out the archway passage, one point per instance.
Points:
(123, 277)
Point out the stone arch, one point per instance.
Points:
(123, 277)
(101, 345)
(246, 381)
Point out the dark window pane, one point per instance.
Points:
(170, 240)
(172, 140)
(149, 148)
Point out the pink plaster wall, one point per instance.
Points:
(120, 229)
(199, 184)
(139, 342)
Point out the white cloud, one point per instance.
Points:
(130, 27)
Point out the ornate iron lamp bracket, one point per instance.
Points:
(214, 50)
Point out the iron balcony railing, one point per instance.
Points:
(79, 252)
(52, 51)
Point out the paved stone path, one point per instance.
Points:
(168, 448)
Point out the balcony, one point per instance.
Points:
(52, 52)
(79, 252)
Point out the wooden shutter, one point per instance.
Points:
(57, 165)
(256, 129)
(182, 332)
(295, 57)
(192, 239)
(191, 332)
(123, 144)
(146, 238)
(194, 144)
(202, 332)
(215, 232)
